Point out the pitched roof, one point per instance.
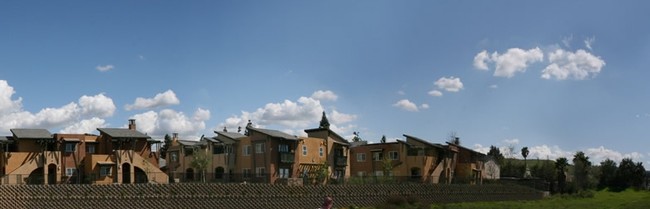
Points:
(423, 141)
(190, 143)
(338, 137)
(6, 139)
(26, 133)
(274, 133)
(231, 135)
(122, 133)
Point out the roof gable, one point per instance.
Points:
(230, 135)
(122, 133)
(26, 133)
(423, 141)
(274, 133)
(336, 137)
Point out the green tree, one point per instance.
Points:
(581, 170)
(607, 173)
(495, 153)
(200, 161)
(165, 147)
(560, 168)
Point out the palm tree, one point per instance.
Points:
(560, 167)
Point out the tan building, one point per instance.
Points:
(35, 156)
(414, 159)
(470, 165)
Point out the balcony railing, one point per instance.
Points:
(341, 161)
(286, 158)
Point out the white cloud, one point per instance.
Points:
(170, 121)
(85, 126)
(548, 152)
(304, 113)
(400, 92)
(325, 95)
(494, 86)
(569, 65)
(481, 59)
(450, 84)
(98, 105)
(435, 93)
(104, 68)
(511, 141)
(601, 153)
(407, 105)
(508, 64)
(341, 118)
(161, 99)
(8, 105)
(589, 42)
(14, 116)
(480, 148)
(424, 106)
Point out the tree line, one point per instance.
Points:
(573, 175)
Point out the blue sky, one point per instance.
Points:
(555, 76)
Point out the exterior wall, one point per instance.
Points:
(243, 161)
(369, 166)
(92, 168)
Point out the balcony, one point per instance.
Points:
(341, 161)
(286, 158)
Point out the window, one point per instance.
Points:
(259, 171)
(393, 155)
(246, 150)
(283, 148)
(173, 156)
(284, 173)
(259, 148)
(228, 149)
(304, 150)
(189, 151)
(320, 151)
(379, 173)
(70, 171)
(361, 157)
(246, 172)
(104, 171)
(69, 147)
(217, 149)
(377, 156)
(90, 148)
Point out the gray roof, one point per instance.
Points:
(423, 141)
(190, 143)
(274, 133)
(6, 139)
(26, 133)
(122, 133)
(231, 135)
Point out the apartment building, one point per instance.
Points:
(117, 155)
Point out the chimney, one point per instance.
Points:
(132, 124)
(174, 136)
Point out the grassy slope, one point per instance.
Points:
(626, 199)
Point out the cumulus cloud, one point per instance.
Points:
(99, 105)
(601, 153)
(104, 68)
(515, 60)
(481, 59)
(171, 121)
(567, 40)
(304, 113)
(14, 116)
(577, 65)
(407, 105)
(548, 152)
(341, 118)
(85, 126)
(435, 93)
(450, 84)
(324, 95)
(424, 106)
(166, 98)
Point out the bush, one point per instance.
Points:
(401, 202)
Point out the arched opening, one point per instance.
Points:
(36, 176)
(189, 175)
(416, 173)
(218, 173)
(140, 176)
(126, 173)
(51, 174)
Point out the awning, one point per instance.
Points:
(105, 163)
(71, 140)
